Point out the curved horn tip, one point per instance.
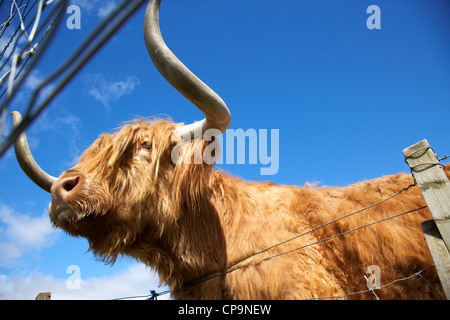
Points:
(217, 115)
(17, 118)
(26, 160)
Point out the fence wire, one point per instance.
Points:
(32, 26)
(235, 266)
(418, 273)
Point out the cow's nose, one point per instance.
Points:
(63, 191)
(69, 183)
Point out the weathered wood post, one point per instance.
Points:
(44, 296)
(435, 188)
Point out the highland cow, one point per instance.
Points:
(210, 235)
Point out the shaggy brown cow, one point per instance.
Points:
(210, 235)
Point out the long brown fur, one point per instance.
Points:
(190, 221)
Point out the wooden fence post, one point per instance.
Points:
(435, 188)
(44, 296)
(439, 252)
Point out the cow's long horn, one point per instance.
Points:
(217, 115)
(26, 160)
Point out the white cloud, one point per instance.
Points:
(21, 233)
(107, 9)
(87, 5)
(63, 123)
(137, 280)
(100, 7)
(59, 122)
(106, 91)
(33, 80)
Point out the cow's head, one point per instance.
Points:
(130, 172)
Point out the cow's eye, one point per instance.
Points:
(146, 145)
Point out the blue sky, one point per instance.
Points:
(346, 101)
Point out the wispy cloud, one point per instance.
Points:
(34, 80)
(135, 281)
(22, 233)
(106, 90)
(30, 85)
(62, 123)
(103, 11)
(100, 7)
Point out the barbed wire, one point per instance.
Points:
(19, 57)
(379, 288)
(230, 268)
(9, 20)
(24, 56)
(213, 275)
(152, 296)
(219, 274)
(89, 47)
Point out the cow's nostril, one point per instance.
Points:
(64, 191)
(70, 184)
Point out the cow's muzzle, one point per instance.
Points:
(65, 192)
